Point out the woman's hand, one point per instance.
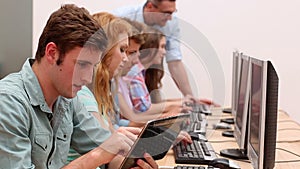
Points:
(183, 136)
(148, 164)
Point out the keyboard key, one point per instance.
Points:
(196, 153)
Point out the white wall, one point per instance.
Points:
(263, 29)
(11, 60)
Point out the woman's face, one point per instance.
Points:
(119, 57)
(161, 51)
(133, 53)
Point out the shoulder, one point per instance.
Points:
(172, 27)
(85, 93)
(12, 89)
(128, 11)
(15, 105)
(136, 70)
(87, 98)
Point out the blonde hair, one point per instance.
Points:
(113, 27)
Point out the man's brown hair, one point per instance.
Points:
(138, 29)
(70, 27)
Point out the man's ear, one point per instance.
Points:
(51, 53)
(150, 6)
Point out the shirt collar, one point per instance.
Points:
(140, 13)
(135, 70)
(31, 84)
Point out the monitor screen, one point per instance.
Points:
(241, 113)
(256, 99)
(263, 114)
(241, 117)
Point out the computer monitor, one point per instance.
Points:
(241, 114)
(236, 68)
(236, 65)
(263, 114)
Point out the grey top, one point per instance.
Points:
(32, 136)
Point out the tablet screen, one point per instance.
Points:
(156, 139)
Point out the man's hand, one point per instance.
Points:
(202, 101)
(119, 142)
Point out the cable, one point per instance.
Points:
(288, 129)
(287, 161)
(282, 149)
(287, 141)
(288, 121)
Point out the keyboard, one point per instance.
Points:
(196, 116)
(197, 124)
(192, 167)
(200, 108)
(197, 127)
(199, 152)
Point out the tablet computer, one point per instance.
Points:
(156, 138)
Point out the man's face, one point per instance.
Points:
(162, 12)
(133, 53)
(75, 71)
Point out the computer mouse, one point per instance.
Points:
(197, 136)
(223, 163)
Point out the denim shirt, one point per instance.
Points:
(31, 135)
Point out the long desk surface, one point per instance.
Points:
(288, 138)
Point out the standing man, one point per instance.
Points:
(40, 115)
(159, 14)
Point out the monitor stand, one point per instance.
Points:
(228, 133)
(228, 120)
(234, 153)
(226, 110)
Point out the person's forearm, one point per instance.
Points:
(116, 162)
(133, 116)
(154, 111)
(180, 77)
(90, 160)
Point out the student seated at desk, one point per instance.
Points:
(134, 98)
